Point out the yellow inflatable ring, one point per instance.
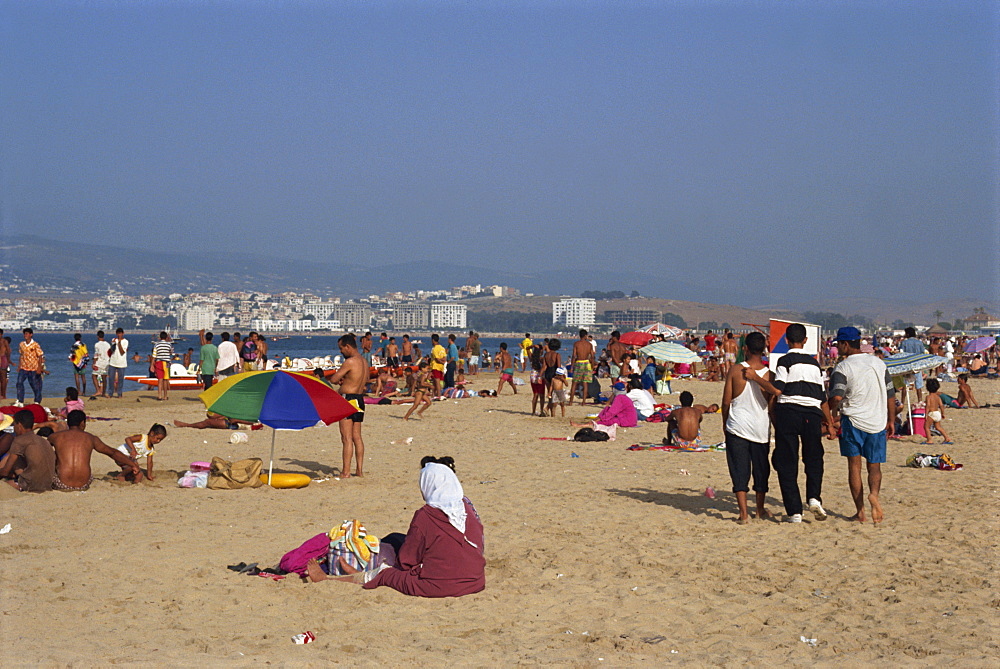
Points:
(287, 480)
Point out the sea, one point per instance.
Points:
(56, 346)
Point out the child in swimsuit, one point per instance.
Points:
(935, 412)
(139, 445)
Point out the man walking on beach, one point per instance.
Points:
(861, 391)
(438, 359)
(799, 415)
(163, 353)
(30, 367)
(472, 349)
(747, 426)
(583, 367)
(526, 345)
(102, 355)
(229, 358)
(729, 350)
(452, 362)
(208, 358)
(117, 363)
(352, 378)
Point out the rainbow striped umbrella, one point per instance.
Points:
(280, 400)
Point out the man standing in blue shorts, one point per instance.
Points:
(861, 392)
(913, 346)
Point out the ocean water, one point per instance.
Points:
(57, 347)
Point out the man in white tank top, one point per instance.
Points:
(747, 426)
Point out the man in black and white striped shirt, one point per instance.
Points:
(799, 415)
(163, 353)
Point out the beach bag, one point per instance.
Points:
(590, 434)
(225, 475)
(663, 387)
(295, 560)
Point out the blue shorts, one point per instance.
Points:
(918, 380)
(855, 442)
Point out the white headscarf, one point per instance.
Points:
(441, 489)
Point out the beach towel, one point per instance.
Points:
(351, 541)
(79, 356)
(590, 434)
(295, 560)
(721, 446)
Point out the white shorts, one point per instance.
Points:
(935, 416)
(473, 360)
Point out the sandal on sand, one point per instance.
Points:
(947, 443)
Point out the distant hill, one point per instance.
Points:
(50, 265)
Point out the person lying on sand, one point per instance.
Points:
(217, 422)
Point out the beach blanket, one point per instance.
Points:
(721, 446)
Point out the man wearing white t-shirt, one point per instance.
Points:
(861, 392)
(102, 356)
(229, 358)
(117, 363)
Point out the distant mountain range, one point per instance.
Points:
(86, 268)
(31, 264)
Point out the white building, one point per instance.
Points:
(411, 317)
(574, 312)
(351, 316)
(448, 315)
(196, 318)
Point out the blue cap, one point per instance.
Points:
(619, 386)
(848, 334)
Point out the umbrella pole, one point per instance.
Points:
(270, 467)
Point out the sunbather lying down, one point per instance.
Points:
(217, 422)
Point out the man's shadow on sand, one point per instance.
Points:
(311, 467)
(694, 501)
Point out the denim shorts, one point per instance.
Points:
(855, 442)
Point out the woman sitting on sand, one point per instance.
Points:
(442, 555)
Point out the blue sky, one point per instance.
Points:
(799, 148)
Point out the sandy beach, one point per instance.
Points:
(606, 559)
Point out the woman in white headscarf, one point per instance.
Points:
(442, 555)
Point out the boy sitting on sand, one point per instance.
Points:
(965, 396)
(139, 445)
(935, 412)
(684, 424)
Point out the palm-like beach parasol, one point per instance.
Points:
(669, 351)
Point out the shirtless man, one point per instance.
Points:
(583, 366)
(352, 378)
(684, 424)
(616, 351)
(392, 353)
(407, 352)
(261, 352)
(729, 350)
(30, 462)
(74, 447)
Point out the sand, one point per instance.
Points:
(607, 559)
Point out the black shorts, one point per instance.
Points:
(392, 361)
(407, 359)
(359, 403)
(744, 458)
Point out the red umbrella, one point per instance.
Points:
(636, 338)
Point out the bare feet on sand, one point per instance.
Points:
(314, 573)
(877, 515)
(743, 521)
(764, 514)
(859, 517)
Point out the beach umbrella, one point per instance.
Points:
(909, 363)
(669, 351)
(668, 331)
(281, 400)
(902, 364)
(979, 344)
(636, 338)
